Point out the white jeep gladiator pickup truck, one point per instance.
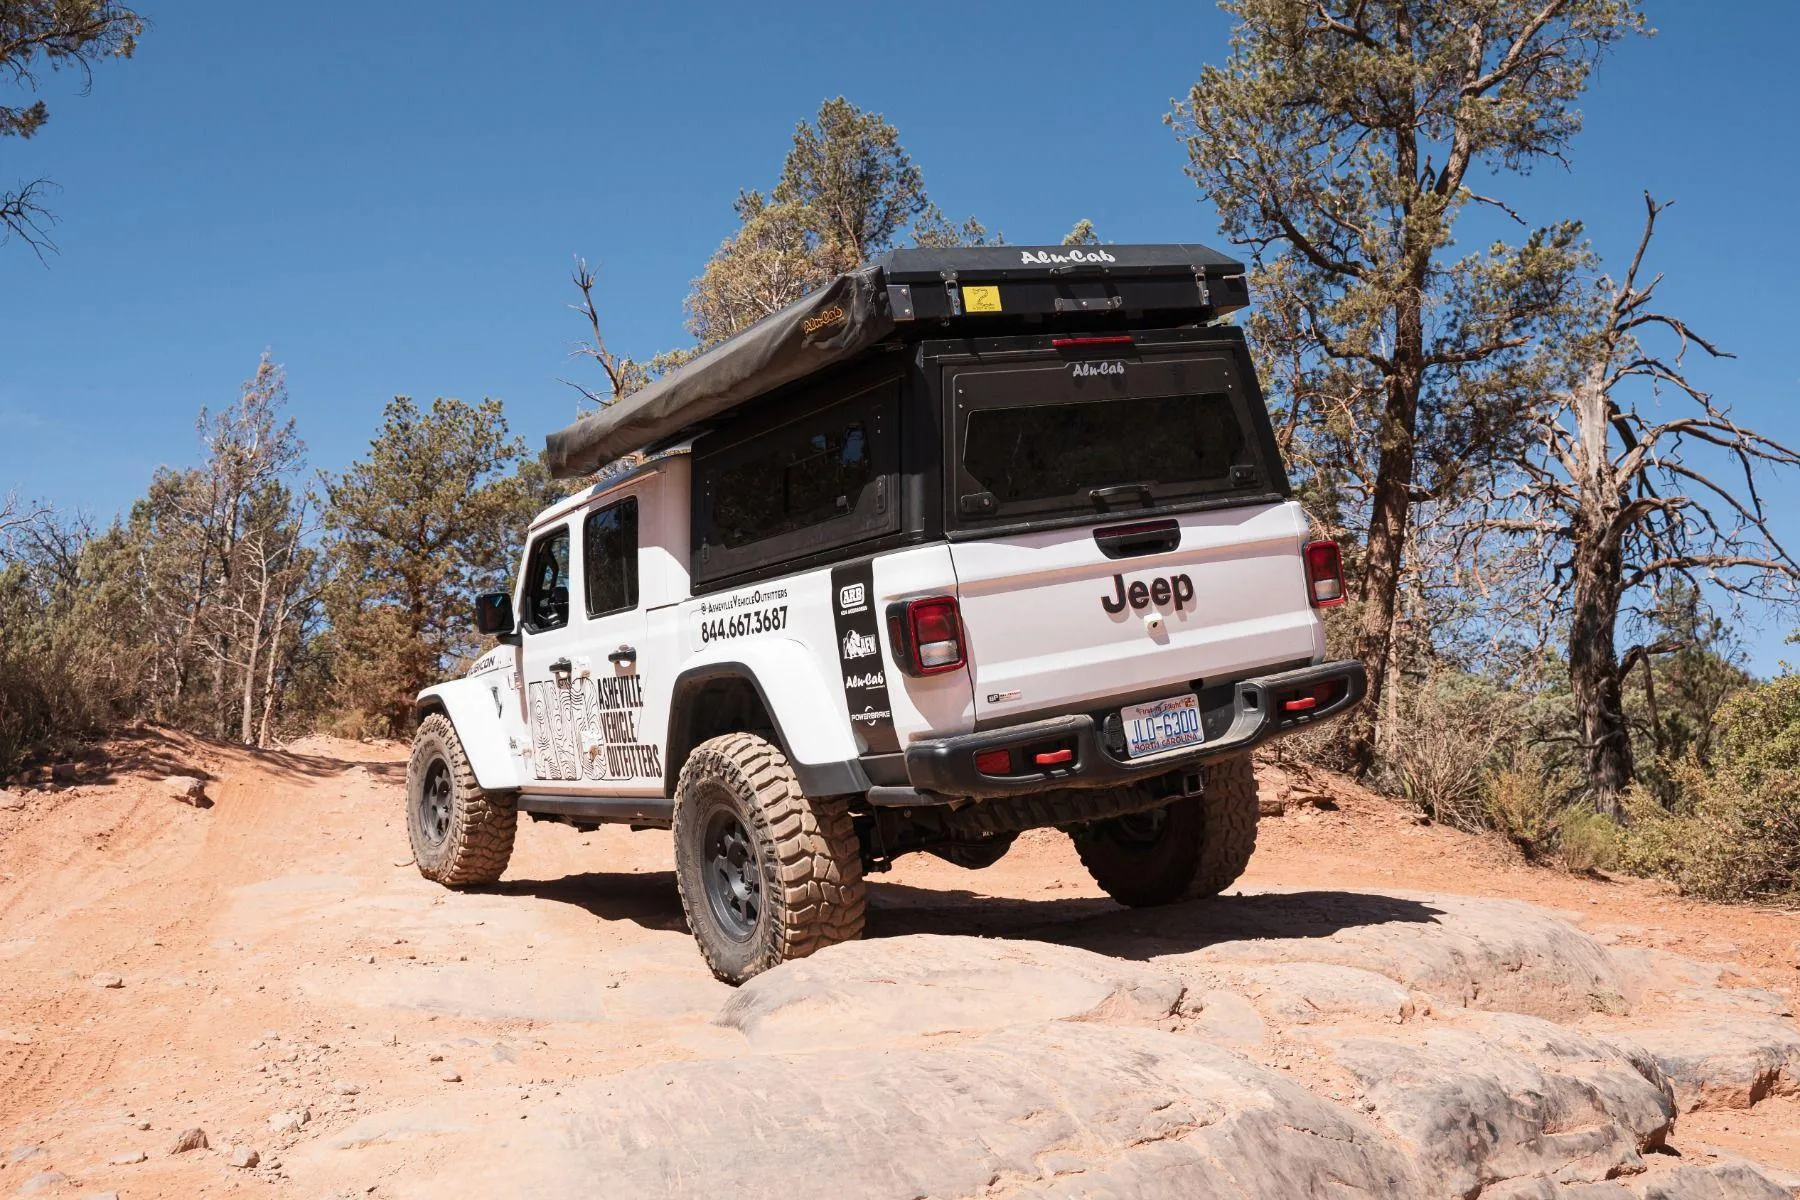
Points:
(969, 542)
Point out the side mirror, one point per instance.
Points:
(494, 613)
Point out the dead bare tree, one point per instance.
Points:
(272, 583)
(1617, 499)
(16, 514)
(618, 369)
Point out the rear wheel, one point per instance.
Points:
(1197, 846)
(765, 873)
(460, 834)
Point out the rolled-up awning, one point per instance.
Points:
(840, 320)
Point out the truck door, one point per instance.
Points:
(583, 630)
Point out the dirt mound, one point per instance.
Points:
(1377, 1013)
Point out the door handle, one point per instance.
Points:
(624, 654)
(562, 666)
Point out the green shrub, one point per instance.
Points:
(1587, 840)
(1734, 833)
(1526, 812)
(1452, 736)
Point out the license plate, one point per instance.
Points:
(1162, 725)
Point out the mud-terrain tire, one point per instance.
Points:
(1194, 847)
(461, 835)
(765, 873)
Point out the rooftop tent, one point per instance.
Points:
(954, 290)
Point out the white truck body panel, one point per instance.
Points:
(1052, 621)
(484, 707)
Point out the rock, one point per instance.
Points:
(107, 980)
(1731, 1063)
(10, 801)
(1152, 1115)
(450, 1077)
(128, 1158)
(1227, 1017)
(291, 1121)
(188, 789)
(1498, 955)
(338, 1087)
(1518, 1098)
(887, 988)
(43, 1181)
(1317, 993)
(64, 773)
(243, 1157)
(21, 1154)
(190, 1139)
(1726, 1181)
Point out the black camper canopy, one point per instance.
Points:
(950, 291)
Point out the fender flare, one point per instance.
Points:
(806, 713)
(474, 707)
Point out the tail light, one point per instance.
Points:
(927, 635)
(1324, 574)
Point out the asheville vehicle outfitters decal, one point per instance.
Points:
(859, 657)
(588, 728)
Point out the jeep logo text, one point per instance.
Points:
(1142, 594)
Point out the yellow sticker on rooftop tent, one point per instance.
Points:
(981, 299)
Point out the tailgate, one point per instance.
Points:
(1053, 620)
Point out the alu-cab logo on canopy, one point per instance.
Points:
(1046, 258)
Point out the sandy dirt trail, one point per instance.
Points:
(281, 961)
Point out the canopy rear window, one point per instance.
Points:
(1100, 437)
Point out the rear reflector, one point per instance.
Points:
(1318, 696)
(994, 762)
(1324, 574)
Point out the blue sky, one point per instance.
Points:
(389, 201)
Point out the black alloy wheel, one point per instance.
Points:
(733, 874)
(434, 802)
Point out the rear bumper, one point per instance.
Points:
(946, 766)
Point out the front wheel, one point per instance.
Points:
(765, 873)
(1196, 846)
(461, 835)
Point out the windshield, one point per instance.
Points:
(1039, 441)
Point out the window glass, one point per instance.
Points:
(1063, 451)
(792, 485)
(609, 544)
(547, 583)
